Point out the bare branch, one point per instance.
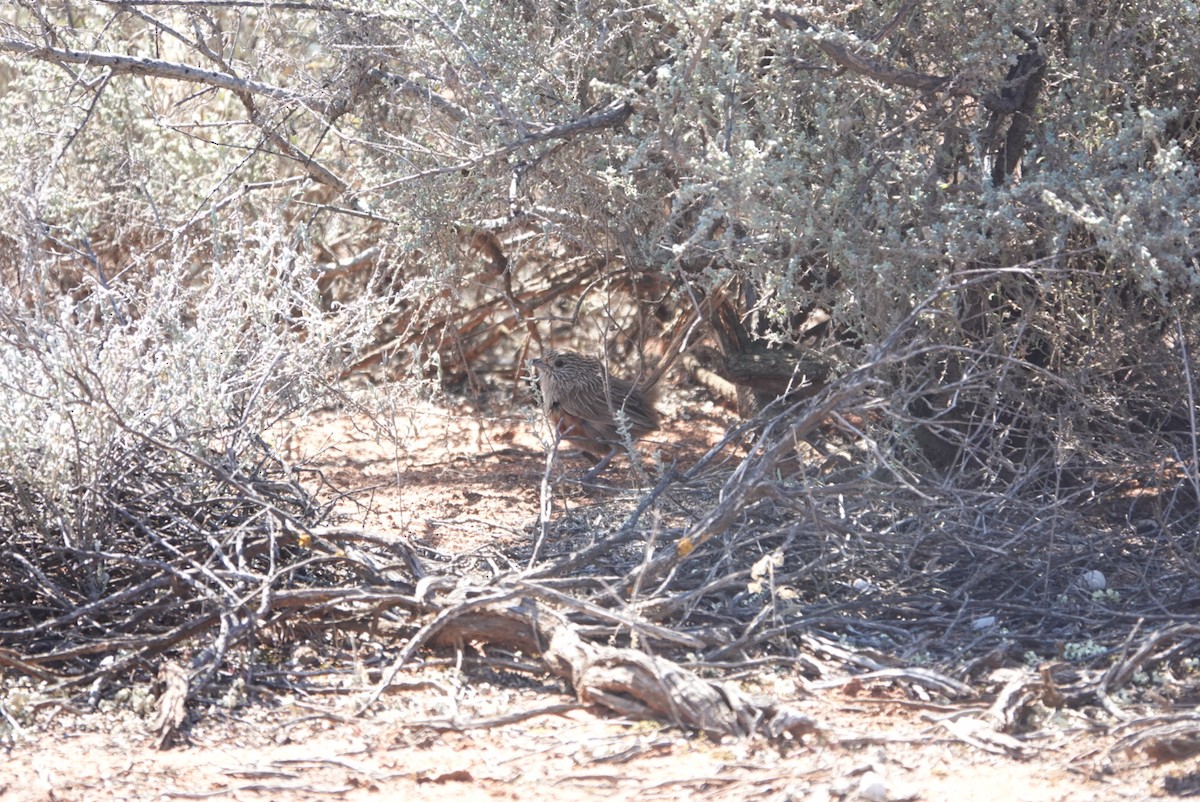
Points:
(151, 67)
(894, 22)
(244, 88)
(282, 5)
(863, 65)
(610, 116)
(456, 112)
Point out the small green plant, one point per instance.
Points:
(1086, 650)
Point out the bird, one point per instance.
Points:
(590, 408)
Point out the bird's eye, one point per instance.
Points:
(558, 363)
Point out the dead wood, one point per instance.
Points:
(627, 681)
(171, 709)
(760, 374)
(796, 374)
(1162, 738)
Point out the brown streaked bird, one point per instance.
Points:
(590, 407)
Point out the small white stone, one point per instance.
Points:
(872, 788)
(1094, 580)
(984, 622)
